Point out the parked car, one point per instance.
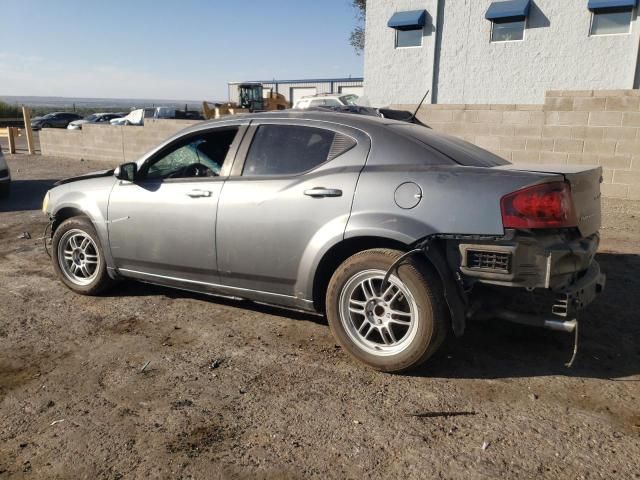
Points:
(326, 100)
(138, 116)
(54, 120)
(5, 177)
(135, 117)
(393, 114)
(395, 232)
(103, 118)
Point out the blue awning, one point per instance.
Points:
(411, 20)
(595, 5)
(510, 10)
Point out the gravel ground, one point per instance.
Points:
(238, 390)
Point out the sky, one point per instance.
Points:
(162, 49)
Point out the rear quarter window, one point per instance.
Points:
(461, 152)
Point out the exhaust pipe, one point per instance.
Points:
(561, 325)
(567, 326)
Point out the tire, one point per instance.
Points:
(394, 341)
(90, 276)
(46, 125)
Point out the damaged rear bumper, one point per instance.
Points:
(562, 269)
(550, 261)
(580, 293)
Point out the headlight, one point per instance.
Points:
(45, 203)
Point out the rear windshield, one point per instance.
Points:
(461, 152)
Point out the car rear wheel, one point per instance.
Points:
(391, 327)
(78, 258)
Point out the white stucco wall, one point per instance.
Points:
(557, 54)
(397, 75)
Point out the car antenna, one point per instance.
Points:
(413, 117)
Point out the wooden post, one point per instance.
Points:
(12, 139)
(27, 126)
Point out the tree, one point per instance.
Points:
(356, 39)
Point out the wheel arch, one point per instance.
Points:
(93, 214)
(66, 213)
(433, 258)
(337, 254)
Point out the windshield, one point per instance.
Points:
(92, 118)
(349, 99)
(463, 153)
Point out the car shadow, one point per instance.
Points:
(609, 339)
(26, 195)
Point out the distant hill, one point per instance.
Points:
(124, 104)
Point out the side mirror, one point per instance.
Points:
(126, 171)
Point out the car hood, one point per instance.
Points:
(86, 176)
(79, 122)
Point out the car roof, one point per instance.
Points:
(324, 95)
(348, 119)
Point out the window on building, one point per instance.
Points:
(611, 22)
(409, 38)
(287, 150)
(507, 31)
(508, 19)
(409, 27)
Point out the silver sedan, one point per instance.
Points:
(395, 232)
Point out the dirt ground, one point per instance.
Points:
(238, 390)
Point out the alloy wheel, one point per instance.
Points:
(78, 257)
(380, 319)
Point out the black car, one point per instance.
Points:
(54, 120)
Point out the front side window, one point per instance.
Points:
(287, 150)
(611, 22)
(508, 31)
(199, 156)
(409, 38)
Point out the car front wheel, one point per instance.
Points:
(391, 327)
(78, 258)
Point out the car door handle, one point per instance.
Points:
(196, 193)
(319, 192)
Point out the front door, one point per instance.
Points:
(163, 225)
(292, 194)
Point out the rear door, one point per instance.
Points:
(290, 192)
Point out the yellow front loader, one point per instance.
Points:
(251, 99)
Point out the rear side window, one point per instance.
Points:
(292, 149)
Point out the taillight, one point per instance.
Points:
(548, 205)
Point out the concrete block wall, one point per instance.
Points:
(108, 143)
(587, 127)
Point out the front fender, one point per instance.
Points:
(92, 200)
